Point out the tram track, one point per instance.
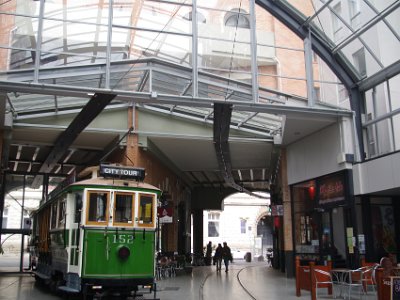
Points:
(238, 280)
(242, 285)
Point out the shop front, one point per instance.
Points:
(324, 220)
(378, 232)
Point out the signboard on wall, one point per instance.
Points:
(277, 210)
(165, 214)
(331, 189)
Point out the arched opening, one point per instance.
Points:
(265, 232)
(244, 223)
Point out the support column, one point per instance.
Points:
(287, 217)
(198, 231)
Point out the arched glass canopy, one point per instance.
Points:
(272, 61)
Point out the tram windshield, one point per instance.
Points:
(123, 212)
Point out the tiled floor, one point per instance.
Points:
(243, 281)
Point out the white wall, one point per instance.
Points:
(377, 175)
(315, 155)
(237, 207)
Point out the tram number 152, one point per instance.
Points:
(123, 238)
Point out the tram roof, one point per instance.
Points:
(100, 181)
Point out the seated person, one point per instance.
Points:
(387, 263)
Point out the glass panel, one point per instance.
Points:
(52, 59)
(305, 218)
(213, 229)
(53, 215)
(61, 213)
(144, 44)
(90, 11)
(243, 224)
(393, 20)
(130, 79)
(377, 103)
(157, 16)
(396, 124)
(146, 210)
(228, 48)
(123, 212)
(29, 8)
(78, 209)
(379, 138)
(355, 15)
(394, 86)
(75, 38)
(383, 230)
(326, 233)
(306, 7)
(19, 33)
(98, 204)
(221, 4)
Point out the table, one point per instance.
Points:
(340, 279)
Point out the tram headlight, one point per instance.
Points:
(123, 252)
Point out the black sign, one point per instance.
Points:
(122, 172)
(395, 286)
(331, 189)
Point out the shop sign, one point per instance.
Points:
(165, 214)
(331, 189)
(277, 210)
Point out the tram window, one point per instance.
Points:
(61, 213)
(146, 204)
(53, 215)
(78, 208)
(123, 208)
(98, 203)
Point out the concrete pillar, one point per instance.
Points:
(198, 231)
(287, 217)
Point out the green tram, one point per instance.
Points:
(97, 235)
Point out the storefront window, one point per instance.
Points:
(383, 227)
(305, 220)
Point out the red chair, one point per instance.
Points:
(320, 278)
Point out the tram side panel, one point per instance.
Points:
(119, 254)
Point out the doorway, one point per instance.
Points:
(333, 237)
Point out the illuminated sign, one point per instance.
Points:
(331, 189)
(122, 172)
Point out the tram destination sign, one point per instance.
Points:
(122, 172)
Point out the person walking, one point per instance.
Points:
(218, 257)
(226, 255)
(208, 253)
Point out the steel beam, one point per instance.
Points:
(92, 109)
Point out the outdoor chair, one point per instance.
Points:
(322, 279)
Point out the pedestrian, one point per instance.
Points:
(208, 253)
(226, 255)
(218, 257)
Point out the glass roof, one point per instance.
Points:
(154, 49)
(351, 25)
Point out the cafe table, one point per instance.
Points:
(340, 280)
